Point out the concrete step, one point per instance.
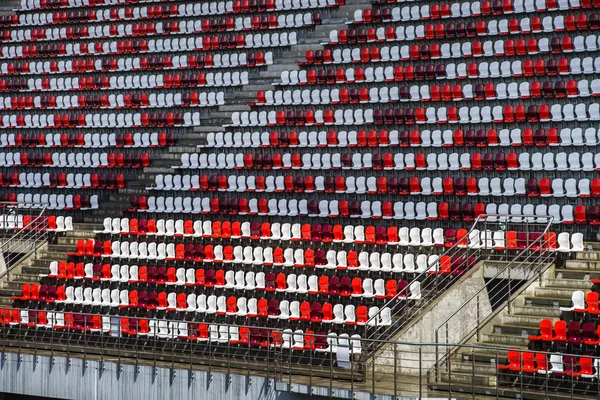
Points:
(523, 320)
(551, 302)
(554, 292)
(574, 284)
(536, 311)
(594, 246)
(207, 128)
(468, 378)
(588, 255)
(54, 255)
(582, 264)
(64, 245)
(6, 301)
(482, 356)
(503, 339)
(578, 274)
(516, 330)
(34, 270)
(473, 367)
(8, 292)
(30, 278)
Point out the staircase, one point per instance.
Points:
(474, 370)
(236, 99)
(28, 270)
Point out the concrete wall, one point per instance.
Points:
(76, 382)
(422, 329)
(62, 380)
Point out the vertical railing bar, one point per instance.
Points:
(473, 372)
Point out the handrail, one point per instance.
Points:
(500, 273)
(26, 238)
(404, 371)
(394, 299)
(402, 307)
(529, 256)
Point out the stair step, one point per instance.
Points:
(516, 330)
(79, 234)
(555, 292)
(574, 284)
(468, 378)
(8, 292)
(578, 274)
(34, 270)
(595, 246)
(542, 312)
(588, 255)
(523, 320)
(504, 339)
(582, 264)
(551, 302)
(483, 356)
(469, 367)
(25, 278)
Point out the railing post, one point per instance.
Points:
(437, 358)
(496, 372)
(420, 372)
(478, 317)
(473, 372)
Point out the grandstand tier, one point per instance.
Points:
(299, 174)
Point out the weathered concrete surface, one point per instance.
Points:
(73, 378)
(422, 329)
(498, 270)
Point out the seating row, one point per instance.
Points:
(15, 222)
(156, 81)
(74, 160)
(288, 257)
(385, 94)
(158, 12)
(88, 140)
(415, 138)
(235, 337)
(217, 229)
(538, 161)
(248, 60)
(580, 112)
(432, 211)
(493, 27)
(230, 279)
(546, 187)
(220, 306)
(553, 367)
(183, 27)
(112, 101)
(518, 5)
(359, 234)
(498, 48)
(55, 201)
(63, 181)
(462, 10)
(447, 71)
(96, 120)
(59, 224)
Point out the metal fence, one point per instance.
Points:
(23, 229)
(476, 244)
(293, 358)
(499, 290)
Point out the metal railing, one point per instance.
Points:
(469, 250)
(296, 361)
(23, 226)
(499, 290)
